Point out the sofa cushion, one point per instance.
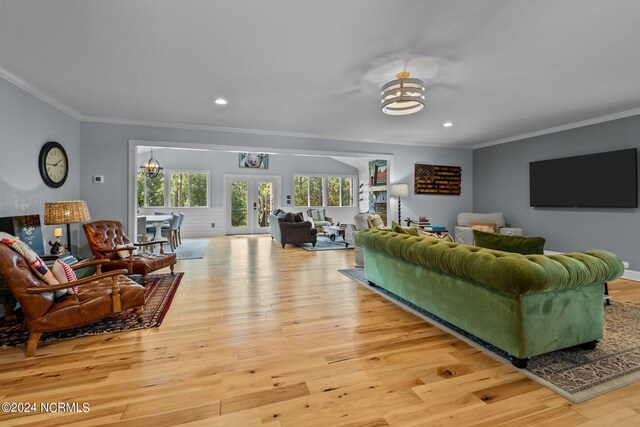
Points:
(515, 244)
(466, 217)
(289, 217)
(298, 217)
(489, 227)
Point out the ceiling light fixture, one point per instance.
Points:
(151, 168)
(447, 124)
(403, 96)
(221, 101)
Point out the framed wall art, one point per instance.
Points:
(253, 160)
(437, 179)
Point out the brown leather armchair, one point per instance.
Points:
(103, 237)
(98, 296)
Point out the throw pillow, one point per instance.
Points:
(298, 217)
(445, 237)
(404, 230)
(361, 221)
(516, 244)
(64, 274)
(38, 266)
(489, 227)
(289, 217)
(124, 254)
(375, 221)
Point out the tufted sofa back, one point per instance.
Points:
(105, 234)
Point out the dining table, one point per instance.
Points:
(157, 221)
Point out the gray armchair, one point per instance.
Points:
(319, 219)
(464, 233)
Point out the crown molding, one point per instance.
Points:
(29, 88)
(574, 125)
(188, 126)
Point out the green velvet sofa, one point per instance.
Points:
(523, 304)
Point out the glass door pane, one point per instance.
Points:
(240, 204)
(265, 203)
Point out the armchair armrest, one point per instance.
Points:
(152, 242)
(350, 234)
(88, 263)
(86, 280)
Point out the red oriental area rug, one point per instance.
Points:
(158, 295)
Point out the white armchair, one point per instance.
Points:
(464, 233)
(360, 222)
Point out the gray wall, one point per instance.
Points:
(26, 123)
(105, 151)
(501, 184)
(219, 163)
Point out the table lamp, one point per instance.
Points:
(66, 212)
(399, 190)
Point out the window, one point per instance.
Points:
(150, 191)
(188, 190)
(323, 191)
(308, 190)
(181, 189)
(339, 191)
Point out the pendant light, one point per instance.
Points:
(151, 168)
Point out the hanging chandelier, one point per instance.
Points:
(151, 168)
(403, 96)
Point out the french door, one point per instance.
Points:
(249, 200)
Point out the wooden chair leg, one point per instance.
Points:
(115, 295)
(173, 266)
(143, 279)
(139, 314)
(32, 344)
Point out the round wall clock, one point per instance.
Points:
(53, 164)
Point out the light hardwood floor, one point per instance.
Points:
(261, 336)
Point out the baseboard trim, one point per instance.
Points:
(631, 275)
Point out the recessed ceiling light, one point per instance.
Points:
(221, 101)
(447, 124)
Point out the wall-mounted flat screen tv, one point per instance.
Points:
(602, 180)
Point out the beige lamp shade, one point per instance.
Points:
(66, 212)
(399, 190)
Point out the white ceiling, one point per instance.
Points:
(497, 69)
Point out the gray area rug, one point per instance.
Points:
(575, 374)
(190, 249)
(325, 244)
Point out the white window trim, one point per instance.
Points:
(325, 177)
(353, 179)
(167, 189)
(144, 192)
